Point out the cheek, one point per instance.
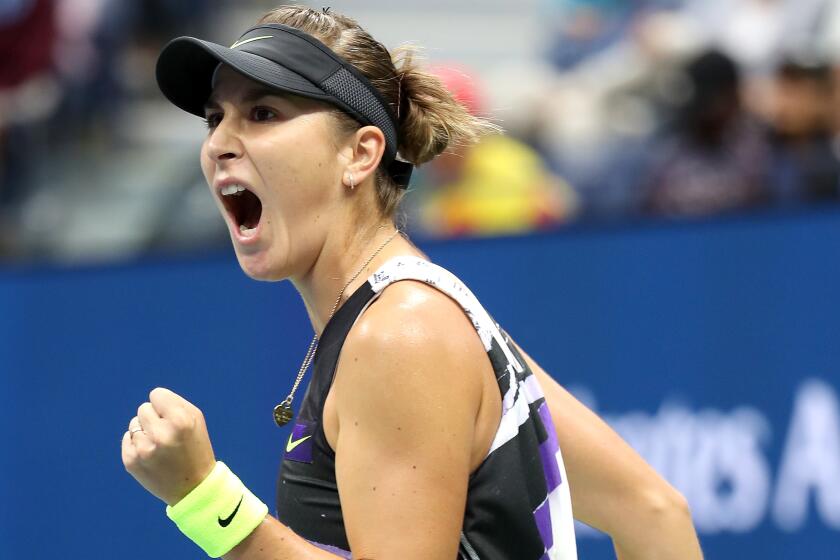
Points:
(206, 164)
(299, 183)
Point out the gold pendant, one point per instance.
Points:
(283, 413)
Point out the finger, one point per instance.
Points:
(135, 431)
(129, 454)
(166, 402)
(149, 419)
(143, 444)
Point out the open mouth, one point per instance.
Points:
(244, 207)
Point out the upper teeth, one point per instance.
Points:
(232, 189)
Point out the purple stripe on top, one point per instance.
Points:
(340, 552)
(299, 445)
(542, 515)
(548, 451)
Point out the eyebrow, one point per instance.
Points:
(251, 94)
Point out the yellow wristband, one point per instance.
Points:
(218, 513)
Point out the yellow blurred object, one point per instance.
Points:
(498, 186)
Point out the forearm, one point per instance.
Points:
(660, 528)
(613, 489)
(272, 540)
(616, 491)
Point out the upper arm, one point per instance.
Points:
(608, 480)
(406, 403)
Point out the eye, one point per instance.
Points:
(213, 120)
(261, 114)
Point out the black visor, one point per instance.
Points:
(286, 59)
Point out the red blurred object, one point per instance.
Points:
(461, 84)
(26, 45)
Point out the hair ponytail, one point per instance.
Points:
(431, 118)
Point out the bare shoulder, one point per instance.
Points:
(413, 317)
(411, 312)
(412, 342)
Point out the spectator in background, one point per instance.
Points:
(27, 95)
(27, 40)
(756, 33)
(106, 54)
(805, 166)
(26, 23)
(498, 186)
(582, 28)
(716, 158)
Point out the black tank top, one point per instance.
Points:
(518, 503)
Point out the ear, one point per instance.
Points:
(368, 147)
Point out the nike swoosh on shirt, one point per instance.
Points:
(225, 522)
(292, 444)
(240, 43)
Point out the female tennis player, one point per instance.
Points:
(425, 431)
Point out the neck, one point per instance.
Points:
(339, 260)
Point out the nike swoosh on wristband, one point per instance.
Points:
(225, 522)
(240, 43)
(292, 444)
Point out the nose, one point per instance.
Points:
(224, 143)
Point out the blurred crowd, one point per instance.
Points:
(627, 109)
(70, 71)
(691, 107)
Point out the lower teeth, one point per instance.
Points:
(243, 228)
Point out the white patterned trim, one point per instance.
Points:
(415, 268)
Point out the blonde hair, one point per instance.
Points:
(430, 119)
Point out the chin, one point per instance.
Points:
(256, 268)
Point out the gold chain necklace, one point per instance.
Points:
(283, 412)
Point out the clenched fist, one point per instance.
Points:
(172, 454)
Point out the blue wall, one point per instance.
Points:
(712, 347)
